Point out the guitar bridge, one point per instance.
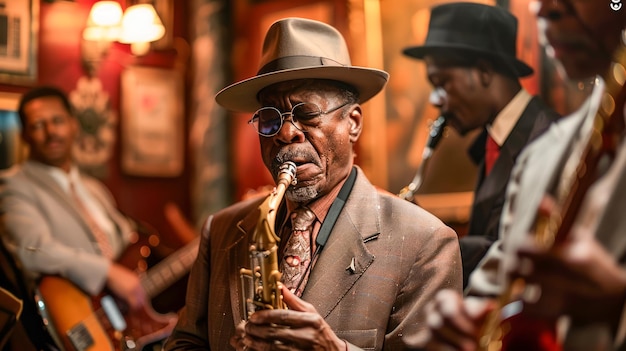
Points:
(80, 337)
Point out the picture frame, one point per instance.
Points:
(19, 30)
(11, 151)
(152, 122)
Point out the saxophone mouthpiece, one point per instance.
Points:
(287, 171)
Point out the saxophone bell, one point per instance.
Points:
(260, 285)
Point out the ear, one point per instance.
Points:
(485, 71)
(355, 118)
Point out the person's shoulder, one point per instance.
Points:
(15, 177)
(408, 214)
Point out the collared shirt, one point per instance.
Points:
(504, 122)
(320, 208)
(95, 209)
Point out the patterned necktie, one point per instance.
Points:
(492, 151)
(98, 233)
(297, 253)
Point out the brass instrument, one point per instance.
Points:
(261, 284)
(434, 136)
(552, 229)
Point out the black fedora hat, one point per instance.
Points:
(471, 27)
(298, 48)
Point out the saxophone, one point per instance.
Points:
(434, 136)
(261, 283)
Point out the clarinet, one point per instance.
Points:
(434, 136)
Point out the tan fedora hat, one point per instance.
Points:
(297, 48)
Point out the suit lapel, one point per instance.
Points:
(335, 272)
(534, 120)
(330, 278)
(239, 257)
(492, 186)
(40, 176)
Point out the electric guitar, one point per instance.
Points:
(551, 230)
(79, 322)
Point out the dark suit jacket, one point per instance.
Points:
(490, 191)
(403, 256)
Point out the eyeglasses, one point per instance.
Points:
(267, 121)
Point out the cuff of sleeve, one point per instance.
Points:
(93, 279)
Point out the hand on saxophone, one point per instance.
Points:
(300, 327)
(455, 323)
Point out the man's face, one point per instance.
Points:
(582, 34)
(323, 151)
(49, 130)
(459, 94)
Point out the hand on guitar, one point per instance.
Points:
(577, 277)
(299, 327)
(454, 322)
(126, 285)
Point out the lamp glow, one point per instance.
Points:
(140, 26)
(103, 23)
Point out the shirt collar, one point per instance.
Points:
(62, 178)
(321, 205)
(504, 122)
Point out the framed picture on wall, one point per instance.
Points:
(19, 28)
(10, 146)
(152, 122)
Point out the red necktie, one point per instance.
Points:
(98, 233)
(297, 253)
(492, 151)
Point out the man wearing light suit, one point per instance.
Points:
(576, 287)
(50, 211)
(470, 57)
(384, 258)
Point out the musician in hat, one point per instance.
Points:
(471, 62)
(574, 273)
(357, 264)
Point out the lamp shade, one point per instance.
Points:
(104, 21)
(141, 24)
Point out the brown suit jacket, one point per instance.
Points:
(403, 255)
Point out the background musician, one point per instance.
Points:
(471, 63)
(581, 281)
(50, 211)
(384, 258)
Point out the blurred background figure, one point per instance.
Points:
(577, 285)
(470, 56)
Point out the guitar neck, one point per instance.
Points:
(604, 139)
(170, 269)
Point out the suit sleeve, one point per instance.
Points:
(27, 233)
(191, 331)
(437, 267)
